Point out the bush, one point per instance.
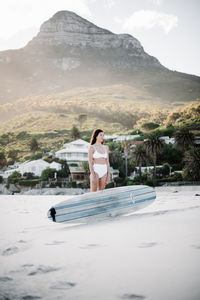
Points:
(59, 184)
(22, 135)
(73, 165)
(52, 185)
(110, 185)
(36, 156)
(31, 183)
(29, 175)
(150, 126)
(130, 182)
(73, 184)
(119, 180)
(14, 177)
(174, 178)
(152, 182)
(47, 173)
(178, 176)
(43, 185)
(165, 169)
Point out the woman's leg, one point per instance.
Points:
(94, 185)
(102, 182)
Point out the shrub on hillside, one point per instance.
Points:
(150, 125)
(47, 173)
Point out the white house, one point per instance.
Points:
(114, 173)
(143, 171)
(168, 140)
(111, 136)
(74, 152)
(55, 165)
(122, 138)
(35, 166)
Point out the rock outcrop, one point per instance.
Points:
(67, 28)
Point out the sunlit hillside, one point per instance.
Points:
(115, 108)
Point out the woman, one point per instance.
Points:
(98, 161)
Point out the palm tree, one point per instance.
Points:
(139, 154)
(192, 162)
(82, 119)
(75, 133)
(86, 169)
(153, 146)
(34, 145)
(184, 138)
(126, 147)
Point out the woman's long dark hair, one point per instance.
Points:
(94, 136)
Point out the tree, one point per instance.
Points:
(29, 175)
(12, 153)
(75, 133)
(85, 166)
(140, 155)
(14, 177)
(34, 145)
(81, 119)
(65, 171)
(116, 159)
(184, 138)
(166, 169)
(150, 126)
(154, 146)
(126, 148)
(3, 161)
(192, 163)
(47, 173)
(171, 154)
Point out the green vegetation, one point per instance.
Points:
(34, 145)
(32, 127)
(48, 173)
(154, 145)
(150, 125)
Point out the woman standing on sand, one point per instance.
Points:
(98, 157)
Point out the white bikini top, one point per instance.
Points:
(97, 154)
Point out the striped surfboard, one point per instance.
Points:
(109, 202)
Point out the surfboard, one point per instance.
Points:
(105, 203)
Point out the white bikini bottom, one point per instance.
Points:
(100, 169)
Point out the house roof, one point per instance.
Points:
(74, 150)
(77, 142)
(33, 162)
(55, 164)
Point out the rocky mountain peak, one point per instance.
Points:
(67, 28)
(67, 21)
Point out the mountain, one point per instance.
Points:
(71, 52)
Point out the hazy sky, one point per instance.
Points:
(167, 29)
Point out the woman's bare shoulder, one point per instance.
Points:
(91, 148)
(107, 148)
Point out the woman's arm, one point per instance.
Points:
(108, 166)
(90, 159)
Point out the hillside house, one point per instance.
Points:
(74, 152)
(35, 166)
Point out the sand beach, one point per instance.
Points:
(152, 254)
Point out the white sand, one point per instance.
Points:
(152, 254)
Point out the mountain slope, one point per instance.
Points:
(71, 52)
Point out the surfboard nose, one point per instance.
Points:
(53, 213)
